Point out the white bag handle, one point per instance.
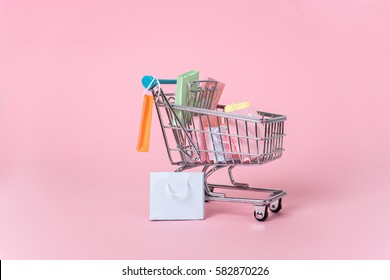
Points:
(182, 191)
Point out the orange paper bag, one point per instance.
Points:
(146, 121)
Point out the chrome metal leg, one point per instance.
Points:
(208, 189)
(234, 183)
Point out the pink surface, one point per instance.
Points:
(72, 185)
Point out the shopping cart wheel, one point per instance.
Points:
(276, 206)
(261, 214)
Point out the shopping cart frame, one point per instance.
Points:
(179, 121)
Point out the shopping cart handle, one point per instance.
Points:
(150, 82)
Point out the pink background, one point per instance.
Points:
(72, 185)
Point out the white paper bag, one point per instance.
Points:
(176, 196)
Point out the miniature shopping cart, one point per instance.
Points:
(196, 136)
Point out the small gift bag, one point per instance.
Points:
(176, 196)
